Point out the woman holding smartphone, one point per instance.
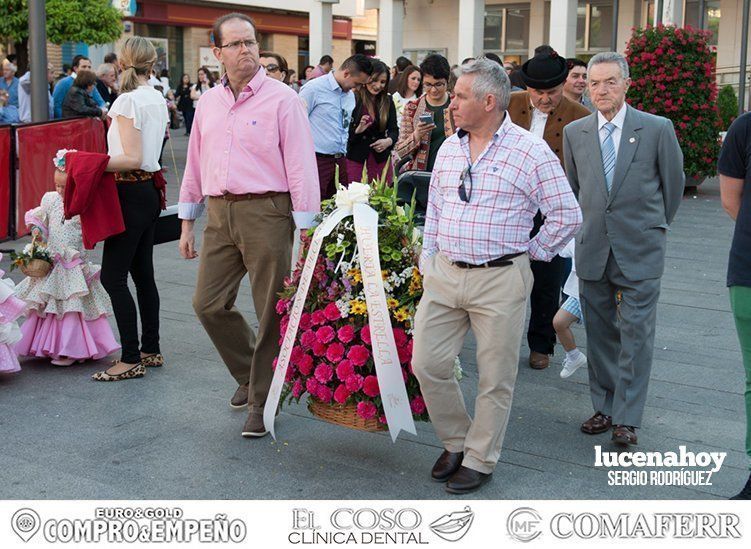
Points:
(374, 128)
(427, 122)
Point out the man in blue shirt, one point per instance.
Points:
(330, 101)
(8, 113)
(80, 63)
(9, 82)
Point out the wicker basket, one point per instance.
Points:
(36, 268)
(344, 415)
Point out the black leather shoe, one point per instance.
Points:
(466, 480)
(446, 465)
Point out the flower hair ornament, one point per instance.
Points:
(59, 160)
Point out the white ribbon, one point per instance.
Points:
(352, 201)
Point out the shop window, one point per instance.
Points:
(507, 29)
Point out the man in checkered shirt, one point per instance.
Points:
(489, 180)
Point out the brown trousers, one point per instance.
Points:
(253, 237)
(493, 303)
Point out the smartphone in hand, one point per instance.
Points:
(426, 118)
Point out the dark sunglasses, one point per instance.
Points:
(465, 195)
(272, 68)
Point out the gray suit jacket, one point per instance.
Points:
(633, 219)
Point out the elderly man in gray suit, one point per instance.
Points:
(626, 168)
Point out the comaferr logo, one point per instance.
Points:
(453, 526)
(645, 526)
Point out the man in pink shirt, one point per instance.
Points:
(325, 66)
(251, 153)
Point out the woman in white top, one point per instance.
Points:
(139, 120)
(205, 82)
(408, 89)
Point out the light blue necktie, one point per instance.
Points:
(608, 155)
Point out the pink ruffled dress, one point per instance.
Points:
(68, 308)
(10, 309)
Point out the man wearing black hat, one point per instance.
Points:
(544, 111)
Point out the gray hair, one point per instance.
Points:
(105, 68)
(490, 79)
(609, 57)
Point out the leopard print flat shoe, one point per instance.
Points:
(139, 370)
(153, 361)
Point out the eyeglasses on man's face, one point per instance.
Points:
(434, 85)
(234, 46)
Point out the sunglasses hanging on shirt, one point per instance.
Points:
(465, 191)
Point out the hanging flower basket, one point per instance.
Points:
(344, 415)
(36, 268)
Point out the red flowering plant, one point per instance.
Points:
(672, 75)
(332, 360)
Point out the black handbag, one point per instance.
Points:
(168, 227)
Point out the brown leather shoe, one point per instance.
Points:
(446, 465)
(538, 361)
(598, 423)
(466, 480)
(240, 399)
(624, 434)
(254, 424)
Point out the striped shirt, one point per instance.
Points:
(515, 175)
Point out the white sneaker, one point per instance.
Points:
(570, 366)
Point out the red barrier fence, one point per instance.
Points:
(6, 176)
(36, 145)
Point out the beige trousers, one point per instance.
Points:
(493, 303)
(253, 237)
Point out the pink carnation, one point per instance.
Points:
(346, 333)
(305, 323)
(359, 355)
(325, 334)
(344, 369)
(366, 409)
(405, 353)
(370, 386)
(332, 312)
(324, 373)
(318, 318)
(335, 352)
(289, 375)
(324, 394)
(311, 385)
(297, 388)
(382, 420)
(296, 354)
(365, 334)
(307, 339)
(418, 405)
(281, 306)
(400, 337)
(354, 382)
(341, 394)
(305, 365)
(319, 349)
(283, 323)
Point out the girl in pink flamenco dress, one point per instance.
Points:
(68, 308)
(10, 309)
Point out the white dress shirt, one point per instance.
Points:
(539, 119)
(617, 121)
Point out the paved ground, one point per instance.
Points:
(172, 435)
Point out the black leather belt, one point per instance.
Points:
(337, 155)
(503, 261)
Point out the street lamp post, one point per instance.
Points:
(38, 61)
